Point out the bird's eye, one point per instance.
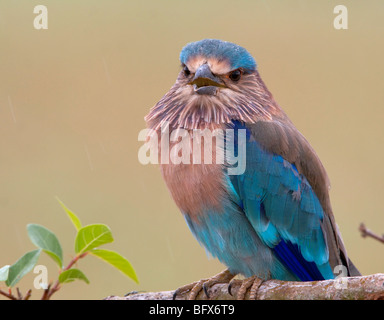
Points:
(186, 71)
(235, 75)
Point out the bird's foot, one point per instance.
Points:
(204, 284)
(252, 284)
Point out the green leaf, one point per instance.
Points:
(4, 273)
(71, 275)
(46, 240)
(92, 236)
(116, 260)
(21, 267)
(75, 220)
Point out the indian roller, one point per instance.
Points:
(273, 220)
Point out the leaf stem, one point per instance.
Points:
(52, 289)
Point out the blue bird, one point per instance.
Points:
(273, 219)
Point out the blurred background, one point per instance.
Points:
(73, 99)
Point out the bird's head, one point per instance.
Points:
(211, 66)
(218, 83)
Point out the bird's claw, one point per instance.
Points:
(252, 284)
(204, 284)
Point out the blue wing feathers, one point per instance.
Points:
(291, 257)
(284, 210)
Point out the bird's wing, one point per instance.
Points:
(282, 205)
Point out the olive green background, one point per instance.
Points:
(73, 99)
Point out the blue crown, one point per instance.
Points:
(212, 48)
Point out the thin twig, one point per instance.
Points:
(28, 294)
(46, 292)
(8, 295)
(365, 232)
(19, 295)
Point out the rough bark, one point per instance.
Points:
(369, 287)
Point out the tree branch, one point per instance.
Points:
(365, 232)
(369, 287)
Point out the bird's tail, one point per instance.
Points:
(353, 271)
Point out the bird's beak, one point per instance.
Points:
(205, 82)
